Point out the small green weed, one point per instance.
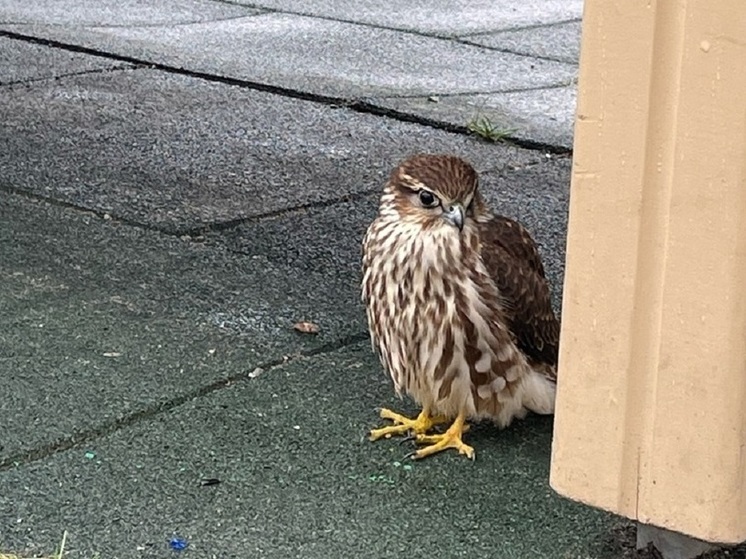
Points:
(484, 127)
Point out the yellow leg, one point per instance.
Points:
(403, 425)
(450, 439)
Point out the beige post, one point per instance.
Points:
(651, 406)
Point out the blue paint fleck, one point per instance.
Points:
(178, 544)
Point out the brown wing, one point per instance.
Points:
(513, 261)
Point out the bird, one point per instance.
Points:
(458, 306)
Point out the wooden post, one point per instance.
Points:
(651, 405)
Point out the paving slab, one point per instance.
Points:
(177, 153)
(544, 115)
(560, 41)
(103, 321)
(21, 62)
(297, 478)
(317, 55)
(118, 13)
(442, 17)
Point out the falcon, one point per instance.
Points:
(458, 306)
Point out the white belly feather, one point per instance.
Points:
(415, 314)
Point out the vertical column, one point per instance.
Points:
(651, 405)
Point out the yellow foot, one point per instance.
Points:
(450, 439)
(403, 425)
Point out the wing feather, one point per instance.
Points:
(512, 259)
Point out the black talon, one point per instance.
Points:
(410, 437)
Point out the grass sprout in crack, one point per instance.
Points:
(485, 128)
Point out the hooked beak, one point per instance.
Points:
(455, 215)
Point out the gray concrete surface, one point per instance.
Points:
(557, 41)
(75, 14)
(435, 17)
(322, 56)
(176, 152)
(161, 232)
(373, 52)
(84, 299)
(297, 480)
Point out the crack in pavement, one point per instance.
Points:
(103, 214)
(218, 226)
(30, 81)
(523, 27)
(511, 51)
(79, 438)
(193, 231)
(179, 24)
(198, 231)
(231, 223)
(558, 85)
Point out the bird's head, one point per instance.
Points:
(435, 191)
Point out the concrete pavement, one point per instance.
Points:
(180, 182)
(515, 63)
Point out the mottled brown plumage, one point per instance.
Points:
(458, 304)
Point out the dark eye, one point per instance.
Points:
(428, 199)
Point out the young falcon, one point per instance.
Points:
(458, 305)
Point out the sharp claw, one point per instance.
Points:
(408, 438)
